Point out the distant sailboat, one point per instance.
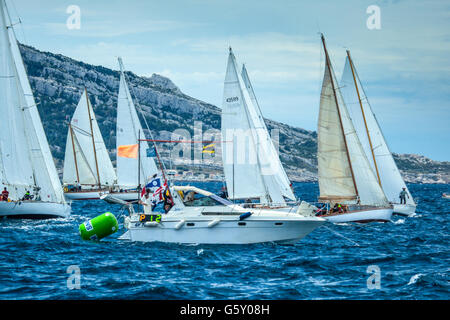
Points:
(129, 131)
(346, 180)
(372, 139)
(26, 163)
(252, 167)
(86, 162)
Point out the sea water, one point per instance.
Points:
(405, 259)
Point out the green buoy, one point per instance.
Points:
(99, 227)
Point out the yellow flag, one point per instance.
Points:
(129, 151)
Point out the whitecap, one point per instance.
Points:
(415, 278)
(399, 221)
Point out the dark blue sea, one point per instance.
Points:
(411, 255)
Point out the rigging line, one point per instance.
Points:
(342, 236)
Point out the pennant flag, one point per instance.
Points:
(128, 151)
(151, 153)
(209, 148)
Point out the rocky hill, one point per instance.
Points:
(58, 81)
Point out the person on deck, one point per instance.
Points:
(147, 202)
(5, 195)
(27, 196)
(403, 195)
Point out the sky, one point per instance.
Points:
(404, 65)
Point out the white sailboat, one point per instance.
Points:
(372, 140)
(200, 217)
(86, 162)
(345, 175)
(129, 131)
(252, 167)
(26, 163)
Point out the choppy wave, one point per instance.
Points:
(411, 254)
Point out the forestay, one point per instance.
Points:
(391, 179)
(26, 161)
(128, 130)
(83, 165)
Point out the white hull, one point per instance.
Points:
(404, 209)
(227, 231)
(362, 216)
(82, 195)
(34, 210)
(125, 196)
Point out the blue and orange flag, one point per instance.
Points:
(128, 151)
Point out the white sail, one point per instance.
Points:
(240, 163)
(344, 171)
(390, 177)
(26, 160)
(128, 130)
(277, 179)
(83, 165)
(252, 167)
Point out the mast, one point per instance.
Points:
(328, 63)
(364, 116)
(93, 140)
(74, 153)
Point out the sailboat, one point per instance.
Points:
(347, 182)
(130, 171)
(252, 167)
(26, 163)
(373, 141)
(87, 166)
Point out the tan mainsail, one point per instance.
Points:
(344, 170)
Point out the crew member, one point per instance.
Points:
(5, 194)
(27, 195)
(403, 195)
(146, 201)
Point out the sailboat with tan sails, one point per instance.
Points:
(349, 190)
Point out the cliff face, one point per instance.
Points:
(58, 81)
